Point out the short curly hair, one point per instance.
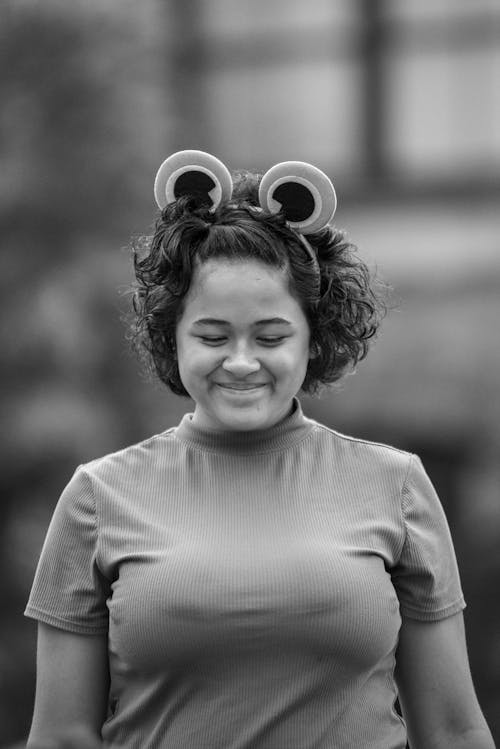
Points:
(343, 304)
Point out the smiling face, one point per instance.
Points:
(242, 345)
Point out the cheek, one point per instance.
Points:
(292, 364)
(196, 362)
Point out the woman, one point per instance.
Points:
(251, 578)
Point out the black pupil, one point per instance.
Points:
(296, 200)
(194, 183)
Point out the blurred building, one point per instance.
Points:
(400, 104)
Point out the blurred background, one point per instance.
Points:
(398, 102)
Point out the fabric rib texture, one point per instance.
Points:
(251, 584)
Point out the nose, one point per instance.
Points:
(241, 363)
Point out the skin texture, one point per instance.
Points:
(435, 687)
(72, 683)
(241, 352)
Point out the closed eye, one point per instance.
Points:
(271, 340)
(265, 340)
(215, 340)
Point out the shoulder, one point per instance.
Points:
(364, 454)
(128, 460)
(357, 445)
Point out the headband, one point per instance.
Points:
(304, 193)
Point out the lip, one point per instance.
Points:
(241, 387)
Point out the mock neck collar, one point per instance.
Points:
(292, 429)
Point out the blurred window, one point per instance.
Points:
(226, 17)
(293, 79)
(442, 59)
(305, 112)
(438, 9)
(443, 111)
(370, 90)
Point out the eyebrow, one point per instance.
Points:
(268, 321)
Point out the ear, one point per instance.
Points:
(303, 192)
(314, 351)
(192, 173)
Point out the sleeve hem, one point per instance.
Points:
(66, 624)
(433, 616)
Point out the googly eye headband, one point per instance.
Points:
(302, 191)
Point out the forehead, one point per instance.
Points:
(239, 289)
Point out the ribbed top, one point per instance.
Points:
(290, 431)
(250, 584)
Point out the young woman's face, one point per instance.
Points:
(242, 345)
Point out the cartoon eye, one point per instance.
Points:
(192, 173)
(304, 193)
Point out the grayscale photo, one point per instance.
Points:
(251, 407)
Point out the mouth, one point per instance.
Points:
(240, 388)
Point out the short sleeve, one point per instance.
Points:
(426, 576)
(69, 591)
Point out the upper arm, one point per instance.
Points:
(435, 685)
(72, 684)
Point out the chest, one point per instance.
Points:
(211, 573)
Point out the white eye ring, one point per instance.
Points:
(316, 183)
(192, 164)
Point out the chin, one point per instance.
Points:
(244, 422)
(252, 418)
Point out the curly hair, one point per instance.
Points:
(343, 304)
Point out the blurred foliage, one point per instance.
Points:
(83, 124)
